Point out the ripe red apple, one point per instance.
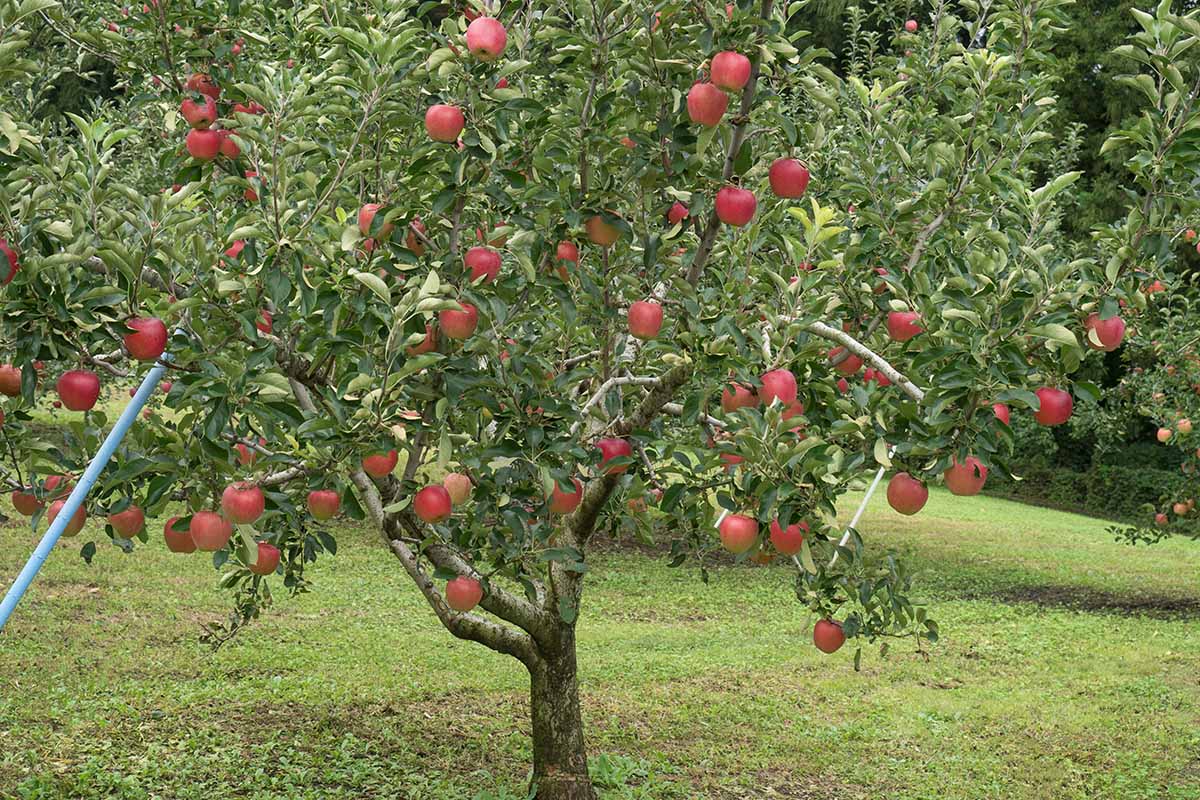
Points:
(1160, 519)
(828, 636)
(614, 448)
(903, 325)
(323, 503)
(911, 26)
(209, 531)
(10, 380)
(483, 262)
(735, 206)
(459, 324)
(906, 494)
(1184, 426)
(600, 232)
(850, 365)
(1056, 406)
(380, 464)
(1181, 509)
(677, 213)
(411, 241)
(706, 104)
(428, 345)
(229, 146)
(966, 479)
(203, 145)
(250, 194)
(738, 533)
(128, 523)
(78, 389)
(565, 502)
(268, 559)
(843, 386)
(731, 460)
(26, 503)
(486, 38)
(1002, 412)
(778, 384)
(366, 215)
(199, 115)
(788, 541)
(459, 486)
(463, 593)
(788, 177)
(444, 123)
(567, 251)
(737, 395)
(645, 319)
(730, 70)
(199, 82)
(242, 502)
(249, 108)
(148, 339)
(432, 503)
(14, 266)
(1110, 332)
(75, 525)
(1164, 435)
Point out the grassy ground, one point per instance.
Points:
(1069, 668)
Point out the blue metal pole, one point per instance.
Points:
(80, 492)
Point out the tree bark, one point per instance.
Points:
(560, 768)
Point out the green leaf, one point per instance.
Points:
(375, 284)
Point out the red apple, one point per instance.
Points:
(229, 146)
(735, 206)
(463, 593)
(645, 319)
(1056, 406)
(730, 70)
(1108, 333)
(250, 194)
(459, 324)
(600, 232)
(906, 494)
(74, 525)
(731, 460)
(78, 389)
(1160, 519)
(199, 82)
(10, 380)
(26, 503)
(614, 448)
(366, 215)
(778, 384)
(1002, 412)
(706, 104)
(432, 503)
(324, 503)
(828, 636)
(483, 262)
(738, 533)
(267, 561)
(444, 123)
(737, 395)
(567, 251)
(459, 486)
(788, 541)
(203, 145)
(128, 523)
(1184, 426)
(486, 38)
(199, 115)
(565, 502)
(911, 26)
(1180, 509)
(850, 365)
(411, 241)
(1164, 435)
(966, 479)
(788, 177)
(677, 213)
(10, 255)
(209, 531)
(380, 464)
(903, 325)
(242, 502)
(148, 339)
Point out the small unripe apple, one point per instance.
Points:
(432, 504)
(645, 319)
(903, 325)
(242, 502)
(380, 464)
(738, 533)
(128, 523)
(203, 145)
(706, 104)
(148, 339)
(459, 324)
(1056, 406)
(78, 389)
(565, 502)
(735, 206)
(788, 541)
(463, 593)
(906, 494)
(486, 38)
(966, 479)
(788, 177)
(444, 122)
(483, 262)
(828, 636)
(74, 525)
(730, 70)
(459, 486)
(614, 448)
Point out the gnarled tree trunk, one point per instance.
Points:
(560, 768)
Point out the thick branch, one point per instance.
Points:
(607, 387)
(869, 355)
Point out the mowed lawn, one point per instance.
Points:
(1069, 668)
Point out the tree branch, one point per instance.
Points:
(867, 354)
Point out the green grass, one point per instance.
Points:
(1069, 668)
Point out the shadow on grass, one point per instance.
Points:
(1093, 601)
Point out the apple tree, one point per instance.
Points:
(497, 279)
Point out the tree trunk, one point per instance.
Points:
(560, 769)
